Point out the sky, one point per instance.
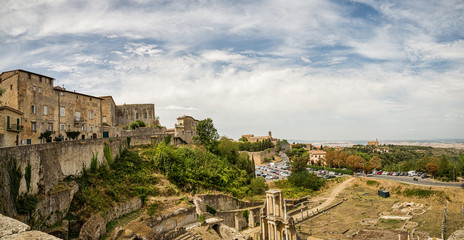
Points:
(314, 69)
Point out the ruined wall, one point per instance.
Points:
(260, 156)
(162, 224)
(222, 202)
(234, 217)
(51, 163)
(127, 113)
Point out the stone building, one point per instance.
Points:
(317, 157)
(275, 223)
(184, 130)
(373, 143)
(252, 138)
(31, 106)
(127, 113)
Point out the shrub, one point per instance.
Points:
(372, 183)
(27, 204)
(210, 209)
(108, 155)
(15, 175)
(202, 219)
(245, 215)
(94, 162)
(137, 124)
(28, 175)
(306, 180)
(152, 208)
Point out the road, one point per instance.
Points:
(423, 182)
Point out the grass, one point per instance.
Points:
(363, 202)
(121, 221)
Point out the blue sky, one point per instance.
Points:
(302, 69)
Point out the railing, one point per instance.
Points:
(15, 127)
(78, 120)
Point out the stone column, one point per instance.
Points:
(251, 219)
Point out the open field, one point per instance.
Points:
(363, 209)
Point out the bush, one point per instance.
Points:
(108, 155)
(210, 209)
(152, 208)
(137, 124)
(245, 215)
(306, 180)
(372, 183)
(94, 163)
(27, 204)
(258, 186)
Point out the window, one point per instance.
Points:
(11, 87)
(78, 116)
(62, 127)
(33, 126)
(33, 109)
(127, 116)
(51, 81)
(50, 128)
(104, 119)
(77, 97)
(33, 88)
(83, 127)
(40, 90)
(91, 128)
(69, 128)
(40, 79)
(45, 110)
(91, 114)
(62, 111)
(29, 76)
(28, 141)
(136, 115)
(7, 122)
(146, 115)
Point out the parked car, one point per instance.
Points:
(424, 176)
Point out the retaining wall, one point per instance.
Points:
(52, 162)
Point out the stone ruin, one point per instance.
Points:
(275, 223)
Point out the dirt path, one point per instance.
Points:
(333, 194)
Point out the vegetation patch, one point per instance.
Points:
(372, 183)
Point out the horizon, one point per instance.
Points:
(304, 70)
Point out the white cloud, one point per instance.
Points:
(247, 65)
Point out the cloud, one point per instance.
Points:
(302, 69)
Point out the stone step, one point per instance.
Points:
(188, 236)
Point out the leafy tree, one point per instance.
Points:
(243, 139)
(207, 135)
(228, 149)
(299, 164)
(432, 168)
(258, 186)
(375, 163)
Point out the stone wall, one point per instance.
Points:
(222, 202)
(162, 224)
(259, 157)
(52, 162)
(235, 219)
(95, 226)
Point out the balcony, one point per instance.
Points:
(79, 120)
(15, 128)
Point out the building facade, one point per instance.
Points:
(32, 108)
(184, 130)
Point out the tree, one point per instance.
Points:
(207, 135)
(299, 164)
(432, 168)
(375, 163)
